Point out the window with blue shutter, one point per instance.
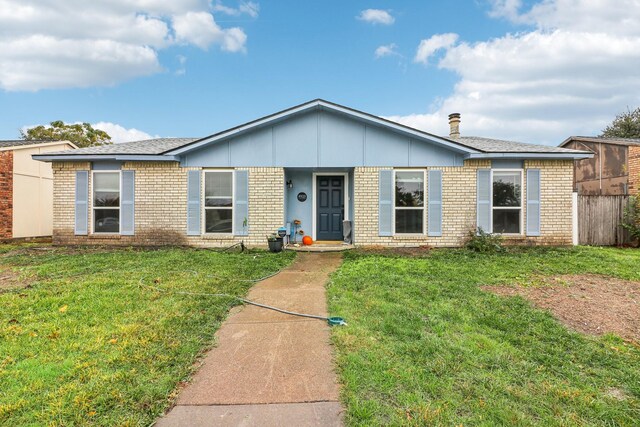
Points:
(484, 200)
(127, 214)
(533, 202)
(241, 203)
(385, 203)
(434, 209)
(82, 205)
(193, 203)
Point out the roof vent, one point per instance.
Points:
(454, 125)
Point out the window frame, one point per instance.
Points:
(203, 222)
(521, 207)
(424, 203)
(93, 206)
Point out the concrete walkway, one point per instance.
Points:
(269, 368)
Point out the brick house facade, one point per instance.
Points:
(318, 163)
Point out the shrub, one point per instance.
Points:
(481, 241)
(631, 220)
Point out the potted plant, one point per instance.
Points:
(275, 243)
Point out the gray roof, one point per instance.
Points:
(602, 139)
(21, 142)
(489, 145)
(161, 145)
(148, 146)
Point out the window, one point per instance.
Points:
(409, 202)
(106, 202)
(218, 201)
(507, 201)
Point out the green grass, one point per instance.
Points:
(426, 346)
(89, 344)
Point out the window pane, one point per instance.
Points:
(218, 202)
(106, 182)
(506, 220)
(409, 220)
(106, 220)
(106, 189)
(217, 184)
(409, 189)
(218, 220)
(506, 189)
(106, 198)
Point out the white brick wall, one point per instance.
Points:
(161, 192)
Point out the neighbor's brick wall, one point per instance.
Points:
(6, 194)
(459, 206)
(634, 169)
(161, 206)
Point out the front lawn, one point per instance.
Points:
(425, 345)
(87, 342)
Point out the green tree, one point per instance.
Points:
(81, 134)
(625, 125)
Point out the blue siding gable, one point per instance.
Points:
(321, 139)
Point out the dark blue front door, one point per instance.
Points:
(330, 207)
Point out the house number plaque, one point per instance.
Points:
(302, 197)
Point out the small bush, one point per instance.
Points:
(481, 241)
(631, 220)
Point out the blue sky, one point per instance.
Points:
(529, 71)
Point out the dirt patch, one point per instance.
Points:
(588, 303)
(10, 280)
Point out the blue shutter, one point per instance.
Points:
(385, 203)
(484, 200)
(127, 215)
(241, 203)
(434, 211)
(193, 203)
(82, 205)
(533, 202)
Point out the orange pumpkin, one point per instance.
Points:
(307, 240)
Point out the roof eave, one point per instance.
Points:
(525, 155)
(105, 157)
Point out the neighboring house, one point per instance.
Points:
(26, 188)
(613, 170)
(319, 163)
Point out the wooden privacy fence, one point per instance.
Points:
(599, 220)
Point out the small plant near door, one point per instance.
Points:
(631, 221)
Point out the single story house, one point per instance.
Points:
(614, 169)
(319, 163)
(26, 188)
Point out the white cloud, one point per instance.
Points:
(429, 46)
(376, 16)
(386, 50)
(244, 8)
(200, 29)
(567, 75)
(121, 134)
(47, 44)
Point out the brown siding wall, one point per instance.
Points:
(6, 194)
(604, 174)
